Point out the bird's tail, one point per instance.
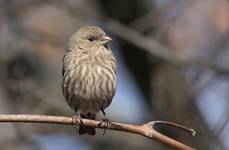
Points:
(87, 130)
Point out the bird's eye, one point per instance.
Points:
(92, 38)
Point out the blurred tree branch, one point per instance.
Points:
(152, 47)
(146, 129)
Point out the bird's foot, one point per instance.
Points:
(106, 124)
(76, 118)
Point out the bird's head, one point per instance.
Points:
(90, 38)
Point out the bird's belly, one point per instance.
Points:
(96, 90)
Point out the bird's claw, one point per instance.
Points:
(76, 117)
(104, 123)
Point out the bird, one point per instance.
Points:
(88, 74)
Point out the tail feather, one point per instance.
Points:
(87, 130)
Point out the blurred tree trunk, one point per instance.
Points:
(163, 84)
(126, 13)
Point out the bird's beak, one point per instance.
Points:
(105, 40)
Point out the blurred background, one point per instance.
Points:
(173, 64)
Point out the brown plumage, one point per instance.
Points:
(89, 73)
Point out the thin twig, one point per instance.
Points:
(146, 130)
(183, 128)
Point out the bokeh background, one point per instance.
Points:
(173, 64)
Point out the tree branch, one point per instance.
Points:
(146, 130)
(154, 48)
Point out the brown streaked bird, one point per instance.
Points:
(89, 74)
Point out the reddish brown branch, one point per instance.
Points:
(146, 130)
